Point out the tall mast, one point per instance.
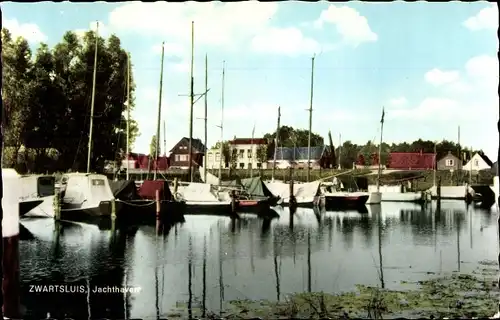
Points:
(253, 153)
(310, 122)
(93, 98)
(340, 149)
(164, 138)
(380, 150)
(159, 111)
(206, 113)
(128, 112)
(222, 121)
(190, 171)
(276, 141)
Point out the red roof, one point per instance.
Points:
(411, 160)
(248, 141)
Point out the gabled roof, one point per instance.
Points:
(300, 153)
(413, 160)
(486, 159)
(196, 144)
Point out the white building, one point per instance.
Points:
(478, 162)
(245, 150)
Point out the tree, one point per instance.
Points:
(152, 146)
(261, 153)
(290, 137)
(54, 94)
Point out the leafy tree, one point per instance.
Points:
(54, 90)
(152, 146)
(290, 137)
(261, 153)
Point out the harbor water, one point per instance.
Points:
(66, 268)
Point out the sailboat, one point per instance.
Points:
(140, 206)
(87, 196)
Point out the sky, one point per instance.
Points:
(432, 67)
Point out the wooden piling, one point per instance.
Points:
(233, 203)
(438, 190)
(158, 204)
(176, 187)
(292, 201)
(57, 204)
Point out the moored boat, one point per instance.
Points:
(87, 198)
(345, 200)
(140, 205)
(37, 195)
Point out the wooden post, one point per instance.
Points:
(176, 187)
(233, 202)
(158, 204)
(292, 201)
(57, 204)
(438, 189)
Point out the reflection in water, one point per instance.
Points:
(336, 249)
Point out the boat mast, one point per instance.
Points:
(164, 138)
(253, 153)
(206, 113)
(93, 98)
(128, 113)
(340, 149)
(310, 122)
(159, 111)
(221, 147)
(276, 143)
(380, 149)
(190, 171)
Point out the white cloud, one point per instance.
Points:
(486, 19)
(429, 108)
(171, 49)
(220, 24)
(483, 67)
(288, 41)
(438, 77)
(352, 26)
(103, 30)
(30, 31)
(398, 102)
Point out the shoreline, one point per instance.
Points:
(450, 295)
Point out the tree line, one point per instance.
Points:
(349, 152)
(47, 102)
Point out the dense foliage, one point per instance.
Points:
(47, 100)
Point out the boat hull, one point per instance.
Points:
(144, 212)
(414, 197)
(28, 205)
(345, 201)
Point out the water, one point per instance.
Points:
(250, 259)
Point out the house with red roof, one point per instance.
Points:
(411, 161)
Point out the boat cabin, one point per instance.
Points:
(87, 188)
(37, 186)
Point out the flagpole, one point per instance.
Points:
(380, 150)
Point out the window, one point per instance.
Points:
(242, 165)
(476, 163)
(210, 157)
(259, 165)
(249, 152)
(449, 162)
(97, 182)
(241, 154)
(217, 156)
(181, 157)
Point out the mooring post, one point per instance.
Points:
(57, 204)
(438, 189)
(292, 201)
(113, 215)
(158, 204)
(11, 186)
(176, 187)
(233, 202)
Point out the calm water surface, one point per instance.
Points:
(210, 259)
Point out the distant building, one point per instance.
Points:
(245, 150)
(141, 163)
(297, 158)
(179, 155)
(411, 161)
(478, 162)
(449, 162)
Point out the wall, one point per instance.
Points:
(476, 163)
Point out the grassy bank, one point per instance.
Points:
(453, 296)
